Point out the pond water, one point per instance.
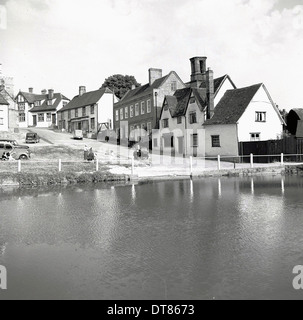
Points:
(227, 238)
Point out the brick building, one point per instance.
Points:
(138, 112)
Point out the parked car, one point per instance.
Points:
(13, 142)
(78, 135)
(17, 152)
(32, 137)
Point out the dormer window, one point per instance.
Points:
(49, 102)
(37, 103)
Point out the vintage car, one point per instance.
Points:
(78, 135)
(17, 152)
(32, 137)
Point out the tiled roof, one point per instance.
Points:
(233, 104)
(87, 99)
(32, 97)
(45, 108)
(145, 88)
(299, 133)
(299, 113)
(3, 101)
(178, 103)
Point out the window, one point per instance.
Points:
(41, 117)
(1, 122)
(92, 123)
(69, 114)
(117, 115)
(165, 123)
(49, 102)
(37, 103)
(215, 141)
(21, 106)
(131, 111)
(179, 120)
(260, 116)
(149, 127)
(21, 117)
(155, 143)
(20, 98)
(143, 107)
(255, 136)
(92, 109)
(126, 113)
(136, 109)
(48, 117)
(192, 118)
(194, 140)
(192, 100)
(83, 112)
(76, 113)
(174, 86)
(148, 106)
(121, 114)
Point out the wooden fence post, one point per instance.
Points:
(219, 162)
(251, 160)
(60, 165)
(191, 166)
(19, 165)
(282, 159)
(97, 165)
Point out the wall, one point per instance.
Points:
(247, 124)
(4, 116)
(228, 140)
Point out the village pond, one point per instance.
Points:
(227, 238)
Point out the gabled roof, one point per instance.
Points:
(178, 103)
(3, 101)
(218, 83)
(87, 99)
(147, 87)
(32, 97)
(233, 104)
(58, 97)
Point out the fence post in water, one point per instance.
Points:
(60, 165)
(219, 162)
(19, 165)
(251, 160)
(282, 159)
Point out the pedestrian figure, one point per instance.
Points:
(107, 139)
(91, 155)
(4, 157)
(86, 150)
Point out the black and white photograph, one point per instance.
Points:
(151, 153)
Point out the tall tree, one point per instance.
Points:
(120, 84)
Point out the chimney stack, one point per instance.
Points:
(82, 90)
(198, 70)
(31, 90)
(154, 74)
(50, 94)
(44, 91)
(210, 90)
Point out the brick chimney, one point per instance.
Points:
(154, 74)
(31, 90)
(198, 70)
(82, 90)
(210, 90)
(44, 91)
(50, 94)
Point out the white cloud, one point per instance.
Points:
(65, 43)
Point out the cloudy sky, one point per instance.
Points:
(63, 44)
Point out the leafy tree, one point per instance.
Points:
(120, 84)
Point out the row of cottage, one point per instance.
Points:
(205, 116)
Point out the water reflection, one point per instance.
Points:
(198, 239)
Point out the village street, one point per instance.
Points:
(118, 158)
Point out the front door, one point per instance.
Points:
(35, 121)
(54, 119)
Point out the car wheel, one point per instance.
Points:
(23, 157)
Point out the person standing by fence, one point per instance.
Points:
(86, 151)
